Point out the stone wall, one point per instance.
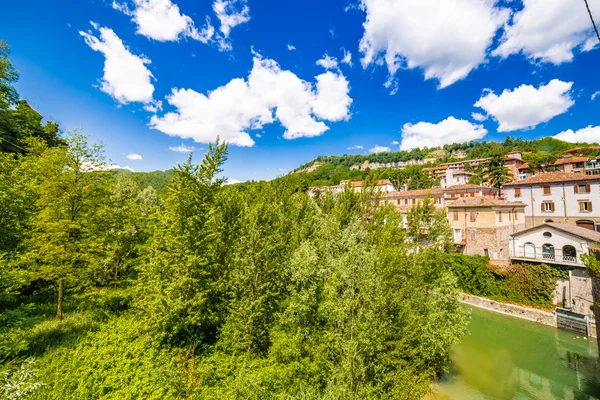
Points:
(581, 291)
(531, 314)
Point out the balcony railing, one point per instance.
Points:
(556, 258)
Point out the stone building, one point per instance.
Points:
(568, 197)
(482, 226)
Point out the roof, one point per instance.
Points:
(570, 160)
(466, 161)
(554, 177)
(578, 149)
(380, 182)
(524, 166)
(578, 231)
(467, 186)
(436, 168)
(484, 202)
(415, 193)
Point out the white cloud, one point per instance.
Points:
(126, 77)
(231, 13)
(595, 94)
(347, 58)
(479, 116)
(549, 30)
(161, 20)
(106, 167)
(525, 106)
(182, 148)
(232, 181)
(269, 94)
(447, 39)
(591, 134)
(357, 147)
(395, 142)
(450, 130)
(328, 62)
(290, 47)
(379, 149)
(134, 156)
(154, 106)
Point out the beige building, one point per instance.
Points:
(482, 226)
(569, 197)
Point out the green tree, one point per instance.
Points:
(592, 262)
(8, 76)
(496, 174)
(63, 242)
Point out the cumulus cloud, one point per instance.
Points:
(290, 47)
(347, 59)
(269, 94)
(182, 149)
(161, 20)
(450, 130)
(126, 77)
(591, 134)
(595, 94)
(153, 107)
(134, 156)
(379, 149)
(395, 142)
(357, 147)
(549, 31)
(479, 117)
(328, 62)
(447, 39)
(526, 106)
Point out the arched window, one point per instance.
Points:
(585, 223)
(569, 253)
(548, 252)
(548, 220)
(529, 250)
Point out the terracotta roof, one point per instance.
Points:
(524, 166)
(555, 177)
(570, 160)
(483, 202)
(415, 193)
(466, 186)
(380, 182)
(572, 229)
(435, 168)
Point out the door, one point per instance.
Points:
(529, 250)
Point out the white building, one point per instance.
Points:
(558, 197)
(561, 244)
(382, 186)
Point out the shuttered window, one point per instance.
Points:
(547, 206)
(547, 191)
(585, 206)
(473, 216)
(499, 216)
(517, 192)
(456, 215)
(582, 188)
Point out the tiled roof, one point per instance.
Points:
(572, 229)
(436, 168)
(555, 177)
(380, 182)
(570, 160)
(524, 166)
(483, 202)
(466, 186)
(415, 193)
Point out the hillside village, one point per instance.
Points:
(549, 213)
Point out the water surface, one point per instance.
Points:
(506, 358)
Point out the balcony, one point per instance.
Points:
(547, 258)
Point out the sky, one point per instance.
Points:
(286, 81)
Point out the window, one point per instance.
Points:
(455, 215)
(547, 190)
(486, 252)
(547, 206)
(472, 232)
(585, 206)
(473, 216)
(501, 253)
(582, 188)
(517, 192)
(547, 234)
(499, 216)
(501, 235)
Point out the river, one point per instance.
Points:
(506, 358)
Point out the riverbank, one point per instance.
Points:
(528, 313)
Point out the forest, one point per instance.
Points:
(112, 289)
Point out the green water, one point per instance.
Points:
(508, 358)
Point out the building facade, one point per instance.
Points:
(567, 197)
(482, 226)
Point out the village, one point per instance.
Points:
(550, 215)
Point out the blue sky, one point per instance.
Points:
(150, 75)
